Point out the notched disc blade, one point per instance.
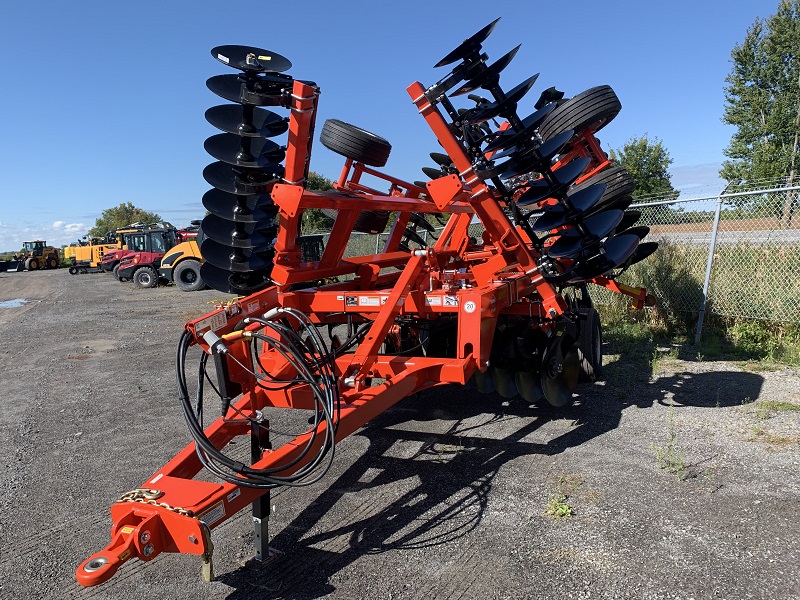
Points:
(241, 284)
(266, 90)
(238, 260)
(488, 75)
(234, 150)
(256, 236)
(248, 121)
(242, 209)
(239, 180)
(469, 46)
(246, 58)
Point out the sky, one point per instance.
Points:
(103, 102)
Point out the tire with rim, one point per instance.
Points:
(115, 272)
(73, 270)
(356, 143)
(590, 345)
(145, 277)
(187, 276)
(588, 111)
(52, 263)
(32, 264)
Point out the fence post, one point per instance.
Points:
(709, 264)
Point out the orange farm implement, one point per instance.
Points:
(333, 341)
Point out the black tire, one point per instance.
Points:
(590, 345)
(588, 111)
(619, 184)
(145, 277)
(52, 263)
(354, 142)
(187, 276)
(115, 272)
(32, 264)
(73, 270)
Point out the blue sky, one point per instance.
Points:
(103, 102)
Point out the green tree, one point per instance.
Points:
(762, 100)
(313, 218)
(119, 216)
(648, 163)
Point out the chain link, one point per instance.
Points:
(149, 496)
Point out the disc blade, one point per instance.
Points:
(232, 149)
(639, 231)
(530, 124)
(242, 209)
(239, 260)
(560, 369)
(242, 181)
(529, 386)
(572, 241)
(432, 173)
(246, 58)
(241, 284)
(616, 250)
(483, 382)
(441, 159)
(256, 236)
(505, 106)
(247, 121)
(267, 90)
(503, 380)
(469, 46)
(580, 203)
(489, 75)
(630, 217)
(642, 251)
(564, 176)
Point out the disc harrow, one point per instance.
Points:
(338, 339)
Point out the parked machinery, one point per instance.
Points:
(506, 309)
(37, 255)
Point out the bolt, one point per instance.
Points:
(144, 537)
(192, 539)
(148, 550)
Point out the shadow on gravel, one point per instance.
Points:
(438, 492)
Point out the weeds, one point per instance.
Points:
(671, 458)
(557, 505)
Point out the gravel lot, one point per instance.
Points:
(444, 496)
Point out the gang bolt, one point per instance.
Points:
(148, 550)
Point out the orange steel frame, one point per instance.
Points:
(477, 283)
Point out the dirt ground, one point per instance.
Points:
(443, 496)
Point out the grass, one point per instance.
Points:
(671, 458)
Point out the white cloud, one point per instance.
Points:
(58, 224)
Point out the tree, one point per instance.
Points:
(762, 100)
(119, 216)
(313, 218)
(648, 163)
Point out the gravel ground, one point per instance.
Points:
(444, 496)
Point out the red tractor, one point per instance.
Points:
(503, 305)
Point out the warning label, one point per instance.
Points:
(216, 513)
(369, 301)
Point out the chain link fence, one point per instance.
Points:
(733, 254)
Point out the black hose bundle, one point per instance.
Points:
(304, 349)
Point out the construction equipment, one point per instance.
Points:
(181, 266)
(37, 255)
(140, 237)
(87, 254)
(505, 308)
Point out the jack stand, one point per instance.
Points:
(259, 441)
